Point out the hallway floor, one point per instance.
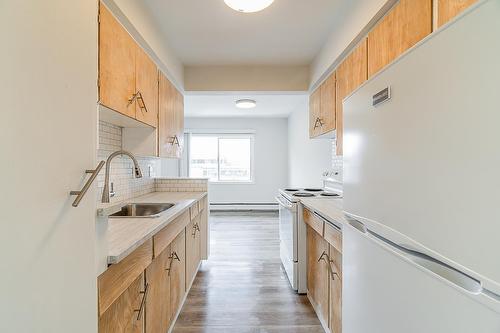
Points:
(242, 287)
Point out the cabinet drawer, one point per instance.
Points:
(118, 277)
(313, 221)
(333, 236)
(195, 210)
(165, 236)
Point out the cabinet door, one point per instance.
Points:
(158, 302)
(123, 315)
(146, 84)
(177, 273)
(117, 51)
(335, 279)
(406, 24)
(327, 105)
(351, 73)
(448, 9)
(314, 113)
(179, 122)
(168, 135)
(317, 273)
(193, 249)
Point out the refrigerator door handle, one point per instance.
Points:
(426, 262)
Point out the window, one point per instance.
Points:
(221, 157)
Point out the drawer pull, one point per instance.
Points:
(172, 257)
(329, 263)
(141, 308)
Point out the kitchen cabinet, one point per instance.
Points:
(448, 9)
(317, 274)
(128, 78)
(171, 119)
(351, 73)
(146, 109)
(327, 104)
(406, 24)
(322, 108)
(314, 112)
(125, 314)
(158, 312)
(117, 53)
(177, 273)
(335, 293)
(193, 249)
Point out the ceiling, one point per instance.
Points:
(207, 32)
(223, 104)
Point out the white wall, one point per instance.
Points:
(307, 158)
(49, 137)
(270, 159)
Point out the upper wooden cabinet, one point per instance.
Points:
(117, 52)
(171, 120)
(448, 9)
(146, 109)
(322, 108)
(351, 73)
(406, 24)
(128, 78)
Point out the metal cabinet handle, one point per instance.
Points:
(141, 308)
(80, 194)
(316, 123)
(138, 96)
(196, 227)
(174, 140)
(329, 262)
(172, 257)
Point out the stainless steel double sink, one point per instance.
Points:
(137, 210)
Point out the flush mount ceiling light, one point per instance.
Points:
(246, 103)
(248, 6)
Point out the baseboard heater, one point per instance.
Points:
(244, 206)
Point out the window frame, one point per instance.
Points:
(226, 135)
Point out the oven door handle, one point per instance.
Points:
(284, 204)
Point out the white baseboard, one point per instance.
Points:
(214, 207)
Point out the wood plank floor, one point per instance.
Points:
(242, 287)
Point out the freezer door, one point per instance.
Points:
(426, 162)
(385, 291)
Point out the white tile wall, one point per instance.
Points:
(125, 184)
(181, 185)
(337, 161)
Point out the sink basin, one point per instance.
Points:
(142, 210)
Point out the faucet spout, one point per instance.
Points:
(137, 172)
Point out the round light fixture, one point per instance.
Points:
(248, 6)
(246, 103)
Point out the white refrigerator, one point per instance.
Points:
(422, 187)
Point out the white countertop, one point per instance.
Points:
(329, 208)
(124, 235)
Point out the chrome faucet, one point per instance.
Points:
(137, 172)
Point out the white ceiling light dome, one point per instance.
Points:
(248, 6)
(246, 103)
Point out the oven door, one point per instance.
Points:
(288, 227)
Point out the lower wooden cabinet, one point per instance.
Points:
(335, 281)
(144, 292)
(177, 273)
(324, 276)
(158, 301)
(193, 249)
(317, 273)
(125, 314)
